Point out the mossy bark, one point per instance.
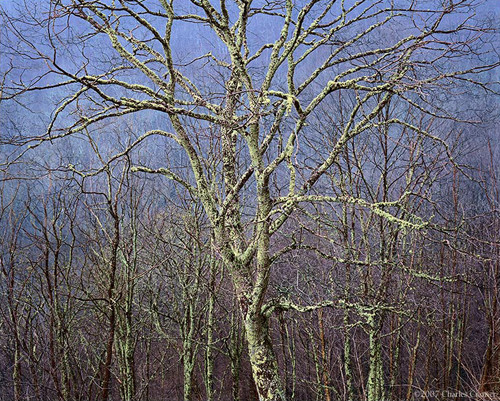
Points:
(235, 349)
(260, 350)
(209, 354)
(125, 345)
(262, 358)
(349, 394)
(375, 387)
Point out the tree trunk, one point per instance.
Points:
(188, 367)
(126, 349)
(349, 388)
(324, 361)
(235, 350)
(394, 358)
(376, 391)
(412, 365)
(490, 376)
(16, 373)
(189, 347)
(108, 356)
(209, 351)
(262, 357)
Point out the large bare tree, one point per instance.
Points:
(237, 87)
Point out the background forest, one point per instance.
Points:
(249, 200)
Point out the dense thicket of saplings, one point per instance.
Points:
(249, 200)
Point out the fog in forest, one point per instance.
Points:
(247, 200)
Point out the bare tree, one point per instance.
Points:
(241, 108)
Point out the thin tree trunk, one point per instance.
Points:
(324, 361)
(16, 373)
(209, 356)
(490, 376)
(317, 364)
(293, 360)
(235, 350)
(189, 350)
(125, 339)
(375, 387)
(349, 396)
(282, 327)
(394, 358)
(106, 368)
(412, 364)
